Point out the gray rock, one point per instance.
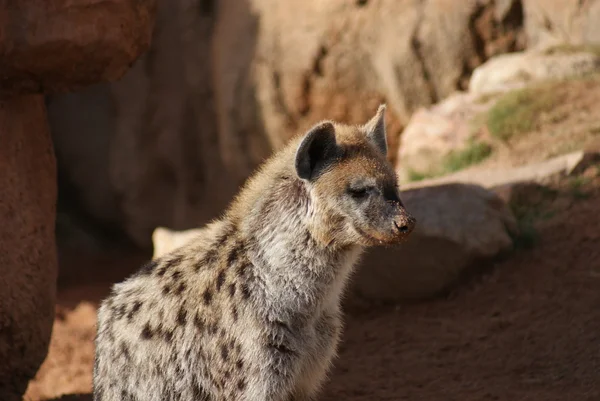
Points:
(458, 226)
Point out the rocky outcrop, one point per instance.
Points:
(517, 70)
(63, 45)
(45, 46)
(551, 22)
(455, 124)
(227, 82)
(27, 248)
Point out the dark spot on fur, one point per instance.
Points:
(224, 352)
(227, 374)
(180, 288)
(166, 289)
(148, 268)
(239, 364)
(234, 313)
(220, 280)
(207, 296)
(168, 335)
(182, 316)
(125, 351)
(209, 258)
(281, 348)
(146, 332)
(245, 291)
(175, 261)
(222, 333)
(232, 290)
(120, 311)
(134, 309)
(241, 384)
(198, 322)
(198, 393)
(212, 329)
(241, 270)
(235, 253)
(176, 275)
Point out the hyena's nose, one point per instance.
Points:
(405, 223)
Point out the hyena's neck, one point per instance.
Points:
(300, 274)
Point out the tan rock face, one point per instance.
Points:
(221, 88)
(549, 22)
(27, 248)
(63, 45)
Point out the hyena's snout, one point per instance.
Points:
(404, 222)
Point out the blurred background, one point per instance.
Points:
(493, 128)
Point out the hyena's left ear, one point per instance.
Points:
(375, 130)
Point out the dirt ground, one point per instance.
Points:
(528, 329)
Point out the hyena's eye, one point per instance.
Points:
(359, 192)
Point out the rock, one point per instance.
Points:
(433, 133)
(165, 240)
(568, 164)
(63, 45)
(224, 86)
(516, 70)
(458, 227)
(27, 246)
(550, 22)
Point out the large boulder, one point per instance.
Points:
(227, 82)
(63, 45)
(459, 226)
(550, 22)
(27, 248)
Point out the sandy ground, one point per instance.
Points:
(528, 329)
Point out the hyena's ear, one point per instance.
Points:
(375, 130)
(316, 151)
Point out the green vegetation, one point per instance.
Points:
(474, 153)
(519, 111)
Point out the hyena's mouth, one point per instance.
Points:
(368, 237)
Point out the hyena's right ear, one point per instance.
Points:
(316, 151)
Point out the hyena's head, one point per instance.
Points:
(352, 186)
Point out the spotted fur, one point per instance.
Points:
(250, 309)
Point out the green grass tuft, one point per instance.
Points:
(474, 153)
(519, 111)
